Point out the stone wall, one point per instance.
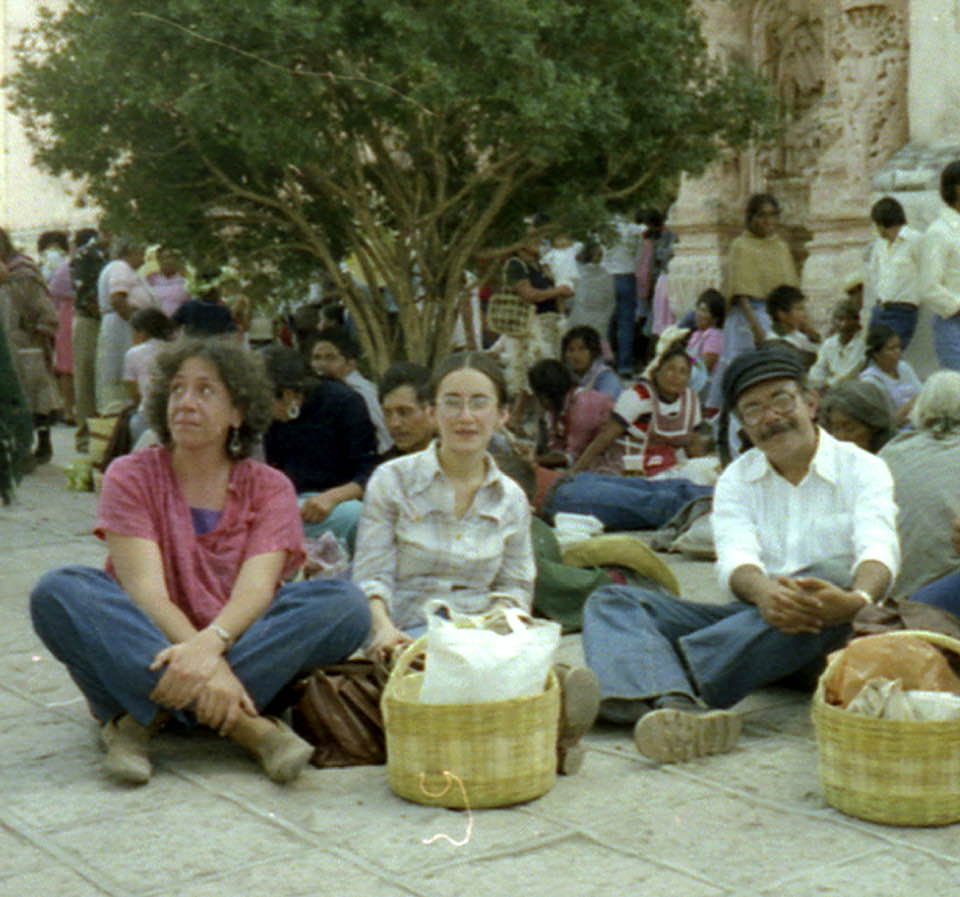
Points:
(840, 71)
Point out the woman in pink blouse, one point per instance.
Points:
(190, 618)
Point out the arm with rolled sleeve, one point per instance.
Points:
(375, 557)
(938, 255)
(874, 516)
(513, 584)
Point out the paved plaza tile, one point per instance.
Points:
(209, 824)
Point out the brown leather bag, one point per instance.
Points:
(338, 711)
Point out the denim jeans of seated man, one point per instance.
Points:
(644, 643)
(623, 503)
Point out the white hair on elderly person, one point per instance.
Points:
(937, 407)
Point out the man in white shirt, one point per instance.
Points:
(841, 354)
(805, 533)
(940, 270)
(894, 269)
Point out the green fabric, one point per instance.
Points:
(560, 591)
(16, 423)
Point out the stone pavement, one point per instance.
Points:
(750, 823)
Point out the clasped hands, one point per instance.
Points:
(806, 604)
(197, 676)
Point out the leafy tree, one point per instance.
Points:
(408, 132)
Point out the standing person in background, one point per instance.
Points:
(759, 261)
(90, 256)
(706, 341)
(620, 260)
(30, 322)
(121, 291)
(653, 259)
(334, 355)
(60, 287)
(168, 284)
(594, 300)
(895, 269)
(52, 249)
(940, 270)
(151, 331)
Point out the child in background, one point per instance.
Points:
(151, 329)
(787, 308)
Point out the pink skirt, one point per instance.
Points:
(63, 342)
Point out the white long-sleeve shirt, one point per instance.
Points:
(940, 264)
(839, 515)
(895, 267)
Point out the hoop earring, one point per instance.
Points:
(234, 446)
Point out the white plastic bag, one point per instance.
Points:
(470, 663)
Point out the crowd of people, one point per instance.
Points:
(816, 454)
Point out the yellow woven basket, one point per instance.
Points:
(467, 755)
(898, 773)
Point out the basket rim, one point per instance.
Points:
(935, 638)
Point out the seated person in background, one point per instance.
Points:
(407, 409)
(446, 523)
(321, 437)
(653, 419)
(151, 331)
(705, 345)
(206, 315)
(582, 352)
(925, 463)
(573, 416)
(841, 355)
(805, 537)
(787, 308)
(334, 354)
(894, 375)
(191, 618)
(859, 412)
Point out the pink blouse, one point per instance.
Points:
(142, 498)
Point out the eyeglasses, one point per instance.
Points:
(754, 412)
(456, 404)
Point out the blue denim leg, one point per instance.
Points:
(342, 521)
(629, 639)
(107, 643)
(309, 624)
(903, 321)
(624, 503)
(741, 652)
(943, 593)
(946, 341)
(625, 289)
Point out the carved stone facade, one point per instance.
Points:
(840, 70)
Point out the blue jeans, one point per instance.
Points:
(107, 643)
(902, 319)
(946, 341)
(943, 593)
(625, 320)
(342, 521)
(623, 503)
(645, 643)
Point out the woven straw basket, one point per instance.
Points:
(510, 315)
(467, 755)
(898, 773)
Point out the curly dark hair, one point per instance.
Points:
(242, 373)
